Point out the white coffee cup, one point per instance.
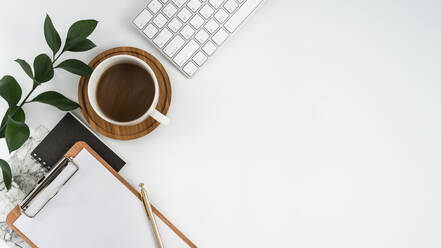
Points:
(118, 59)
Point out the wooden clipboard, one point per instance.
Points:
(73, 151)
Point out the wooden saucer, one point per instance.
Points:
(126, 132)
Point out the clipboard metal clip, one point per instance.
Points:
(48, 187)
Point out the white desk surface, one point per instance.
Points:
(317, 125)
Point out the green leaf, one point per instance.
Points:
(7, 174)
(78, 32)
(76, 67)
(16, 134)
(52, 37)
(81, 29)
(43, 68)
(57, 100)
(81, 46)
(26, 67)
(19, 116)
(10, 90)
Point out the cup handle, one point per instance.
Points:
(158, 116)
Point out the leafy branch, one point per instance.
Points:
(13, 127)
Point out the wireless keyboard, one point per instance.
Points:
(188, 32)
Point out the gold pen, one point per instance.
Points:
(150, 216)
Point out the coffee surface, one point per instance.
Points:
(125, 92)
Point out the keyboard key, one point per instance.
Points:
(201, 36)
(221, 16)
(200, 58)
(163, 37)
(241, 14)
(231, 6)
(142, 19)
(175, 25)
(174, 45)
(211, 26)
(190, 68)
(196, 21)
(194, 5)
(184, 14)
(220, 37)
(206, 11)
(179, 3)
(150, 31)
(209, 48)
(160, 20)
(154, 6)
(186, 52)
(187, 32)
(169, 10)
(216, 3)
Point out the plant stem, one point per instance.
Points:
(26, 98)
(28, 95)
(53, 62)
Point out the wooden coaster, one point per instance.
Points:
(126, 132)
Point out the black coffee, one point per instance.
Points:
(125, 92)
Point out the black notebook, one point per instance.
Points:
(64, 135)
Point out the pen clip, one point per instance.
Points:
(145, 201)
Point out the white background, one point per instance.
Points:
(317, 125)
